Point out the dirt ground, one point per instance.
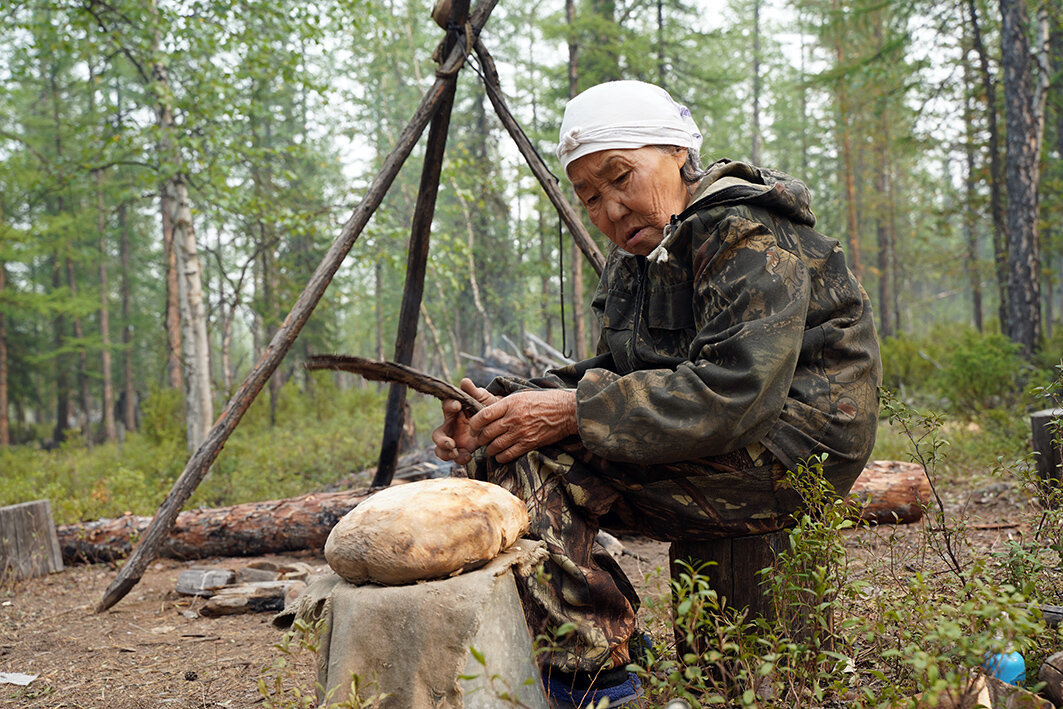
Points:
(153, 650)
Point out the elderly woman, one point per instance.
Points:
(734, 345)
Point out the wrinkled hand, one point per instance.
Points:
(454, 439)
(524, 421)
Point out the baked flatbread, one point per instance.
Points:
(425, 530)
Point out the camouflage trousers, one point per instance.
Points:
(571, 494)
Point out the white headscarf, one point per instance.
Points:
(624, 114)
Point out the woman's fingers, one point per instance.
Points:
(479, 393)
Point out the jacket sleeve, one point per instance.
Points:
(750, 300)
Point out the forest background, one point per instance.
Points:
(172, 172)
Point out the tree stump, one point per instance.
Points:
(733, 575)
(1051, 673)
(1049, 456)
(28, 543)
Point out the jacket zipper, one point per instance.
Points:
(640, 304)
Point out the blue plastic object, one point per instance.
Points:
(1008, 667)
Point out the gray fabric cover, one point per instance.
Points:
(412, 642)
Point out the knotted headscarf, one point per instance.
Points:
(624, 115)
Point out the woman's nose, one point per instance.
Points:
(615, 208)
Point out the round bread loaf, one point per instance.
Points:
(425, 530)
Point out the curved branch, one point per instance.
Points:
(379, 371)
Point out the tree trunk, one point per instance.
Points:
(199, 407)
(83, 358)
(885, 492)
(417, 260)
(970, 227)
(110, 431)
(578, 320)
(845, 147)
(5, 427)
(755, 147)
(129, 394)
(1022, 176)
(662, 72)
(474, 285)
(62, 383)
(996, 178)
(173, 299)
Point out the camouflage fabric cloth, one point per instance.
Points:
(750, 349)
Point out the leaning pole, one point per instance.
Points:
(196, 468)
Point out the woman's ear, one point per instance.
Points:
(680, 156)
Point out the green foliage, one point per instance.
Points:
(983, 370)
(320, 438)
(910, 363)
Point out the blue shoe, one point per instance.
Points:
(619, 687)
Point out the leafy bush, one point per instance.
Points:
(982, 371)
(910, 364)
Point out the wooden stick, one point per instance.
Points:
(568, 214)
(197, 466)
(417, 261)
(378, 371)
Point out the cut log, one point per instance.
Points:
(1049, 455)
(1053, 615)
(890, 492)
(28, 543)
(1051, 673)
(241, 530)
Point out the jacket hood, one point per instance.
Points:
(729, 182)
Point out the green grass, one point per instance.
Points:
(319, 438)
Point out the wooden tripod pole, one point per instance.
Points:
(549, 183)
(197, 466)
(417, 262)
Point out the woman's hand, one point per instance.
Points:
(453, 439)
(524, 421)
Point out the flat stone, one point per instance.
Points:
(203, 582)
(248, 574)
(254, 597)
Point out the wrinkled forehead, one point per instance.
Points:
(583, 172)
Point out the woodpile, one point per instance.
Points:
(263, 586)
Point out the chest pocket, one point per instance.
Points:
(670, 307)
(669, 319)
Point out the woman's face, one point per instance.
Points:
(630, 195)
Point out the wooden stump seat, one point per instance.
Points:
(732, 570)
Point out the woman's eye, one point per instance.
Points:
(591, 200)
(622, 177)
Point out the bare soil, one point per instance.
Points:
(154, 650)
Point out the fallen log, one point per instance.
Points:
(890, 492)
(886, 492)
(247, 529)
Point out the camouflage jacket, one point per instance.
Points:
(753, 330)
